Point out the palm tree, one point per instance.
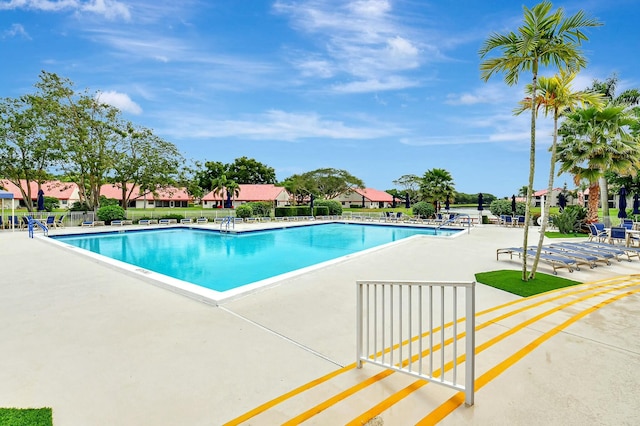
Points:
(595, 141)
(545, 39)
(436, 186)
(557, 97)
(629, 98)
(223, 186)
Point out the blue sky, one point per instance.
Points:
(381, 88)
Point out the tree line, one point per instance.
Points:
(60, 132)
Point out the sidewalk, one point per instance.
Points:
(101, 347)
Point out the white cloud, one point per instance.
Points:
(485, 94)
(362, 39)
(122, 101)
(110, 9)
(276, 125)
(366, 86)
(16, 30)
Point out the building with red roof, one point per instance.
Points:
(66, 192)
(369, 198)
(163, 197)
(277, 195)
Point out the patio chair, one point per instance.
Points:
(60, 222)
(519, 221)
(186, 221)
(619, 234)
(597, 232)
(51, 221)
(202, 220)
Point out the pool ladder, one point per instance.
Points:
(227, 222)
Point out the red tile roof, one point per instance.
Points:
(259, 192)
(54, 188)
(170, 193)
(374, 195)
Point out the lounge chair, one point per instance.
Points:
(121, 222)
(50, 222)
(147, 221)
(589, 257)
(92, 223)
(59, 223)
(604, 254)
(186, 221)
(202, 220)
(603, 249)
(556, 261)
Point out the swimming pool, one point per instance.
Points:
(225, 261)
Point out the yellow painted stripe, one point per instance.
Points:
(272, 403)
(395, 398)
(454, 402)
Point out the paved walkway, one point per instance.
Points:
(101, 347)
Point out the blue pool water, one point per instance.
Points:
(225, 261)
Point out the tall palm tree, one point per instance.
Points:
(436, 186)
(629, 99)
(546, 38)
(556, 97)
(224, 187)
(595, 141)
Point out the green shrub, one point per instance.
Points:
(104, 201)
(244, 211)
(79, 206)
(51, 203)
(500, 207)
(175, 216)
(335, 208)
(423, 209)
(109, 213)
(260, 208)
(570, 220)
(321, 211)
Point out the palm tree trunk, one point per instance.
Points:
(604, 200)
(547, 205)
(592, 204)
(532, 167)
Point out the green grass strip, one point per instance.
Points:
(511, 281)
(26, 417)
(559, 235)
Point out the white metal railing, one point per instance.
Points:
(412, 327)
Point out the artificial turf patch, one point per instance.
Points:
(511, 281)
(560, 235)
(26, 417)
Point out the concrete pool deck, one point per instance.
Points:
(102, 347)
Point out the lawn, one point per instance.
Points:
(511, 281)
(26, 417)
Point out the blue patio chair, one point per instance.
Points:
(519, 221)
(618, 233)
(597, 232)
(51, 221)
(59, 223)
(508, 220)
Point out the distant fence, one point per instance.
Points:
(412, 327)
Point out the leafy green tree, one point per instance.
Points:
(249, 171)
(301, 186)
(330, 183)
(423, 209)
(206, 174)
(546, 38)
(409, 184)
(30, 137)
(436, 186)
(556, 97)
(143, 159)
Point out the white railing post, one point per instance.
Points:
(406, 303)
